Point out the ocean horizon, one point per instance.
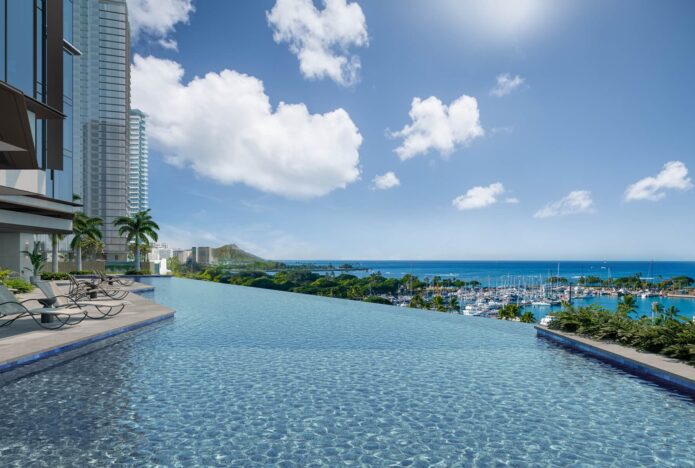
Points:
(491, 270)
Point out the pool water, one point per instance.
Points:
(246, 376)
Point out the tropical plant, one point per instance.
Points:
(145, 250)
(668, 334)
(54, 276)
(454, 305)
(139, 228)
(417, 302)
(627, 305)
(92, 247)
(55, 239)
(527, 317)
(438, 303)
(509, 312)
(85, 230)
(37, 258)
(18, 284)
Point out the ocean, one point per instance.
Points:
(488, 272)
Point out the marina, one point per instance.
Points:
(543, 295)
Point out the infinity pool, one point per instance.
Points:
(247, 376)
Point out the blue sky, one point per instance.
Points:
(582, 155)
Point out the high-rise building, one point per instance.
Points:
(181, 255)
(138, 161)
(203, 255)
(36, 118)
(102, 82)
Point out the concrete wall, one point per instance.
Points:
(31, 181)
(88, 265)
(11, 246)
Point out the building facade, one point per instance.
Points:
(102, 85)
(159, 252)
(202, 255)
(37, 57)
(138, 162)
(181, 255)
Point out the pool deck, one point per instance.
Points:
(24, 342)
(664, 370)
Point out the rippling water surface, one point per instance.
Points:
(248, 376)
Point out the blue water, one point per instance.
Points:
(686, 306)
(490, 272)
(247, 376)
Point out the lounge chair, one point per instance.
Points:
(81, 290)
(111, 280)
(11, 309)
(103, 309)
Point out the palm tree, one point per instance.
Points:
(509, 312)
(417, 302)
(438, 303)
(627, 305)
(454, 304)
(139, 228)
(527, 317)
(657, 311)
(84, 229)
(55, 238)
(672, 315)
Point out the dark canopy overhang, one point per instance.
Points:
(16, 140)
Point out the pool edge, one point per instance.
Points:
(642, 369)
(32, 358)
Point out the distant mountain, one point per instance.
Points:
(232, 253)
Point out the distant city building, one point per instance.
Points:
(202, 255)
(102, 88)
(160, 252)
(182, 255)
(36, 118)
(138, 162)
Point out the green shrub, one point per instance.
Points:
(19, 284)
(82, 272)
(266, 283)
(137, 272)
(378, 300)
(667, 334)
(54, 276)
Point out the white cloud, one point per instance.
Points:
(507, 130)
(506, 84)
(223, 127)
(157, 18)
(321, 39)
(386, 181)
(578, 201)
(674, 176)
(169, 44)
(481, 197)
(436, 126)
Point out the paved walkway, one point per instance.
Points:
(24, 341)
